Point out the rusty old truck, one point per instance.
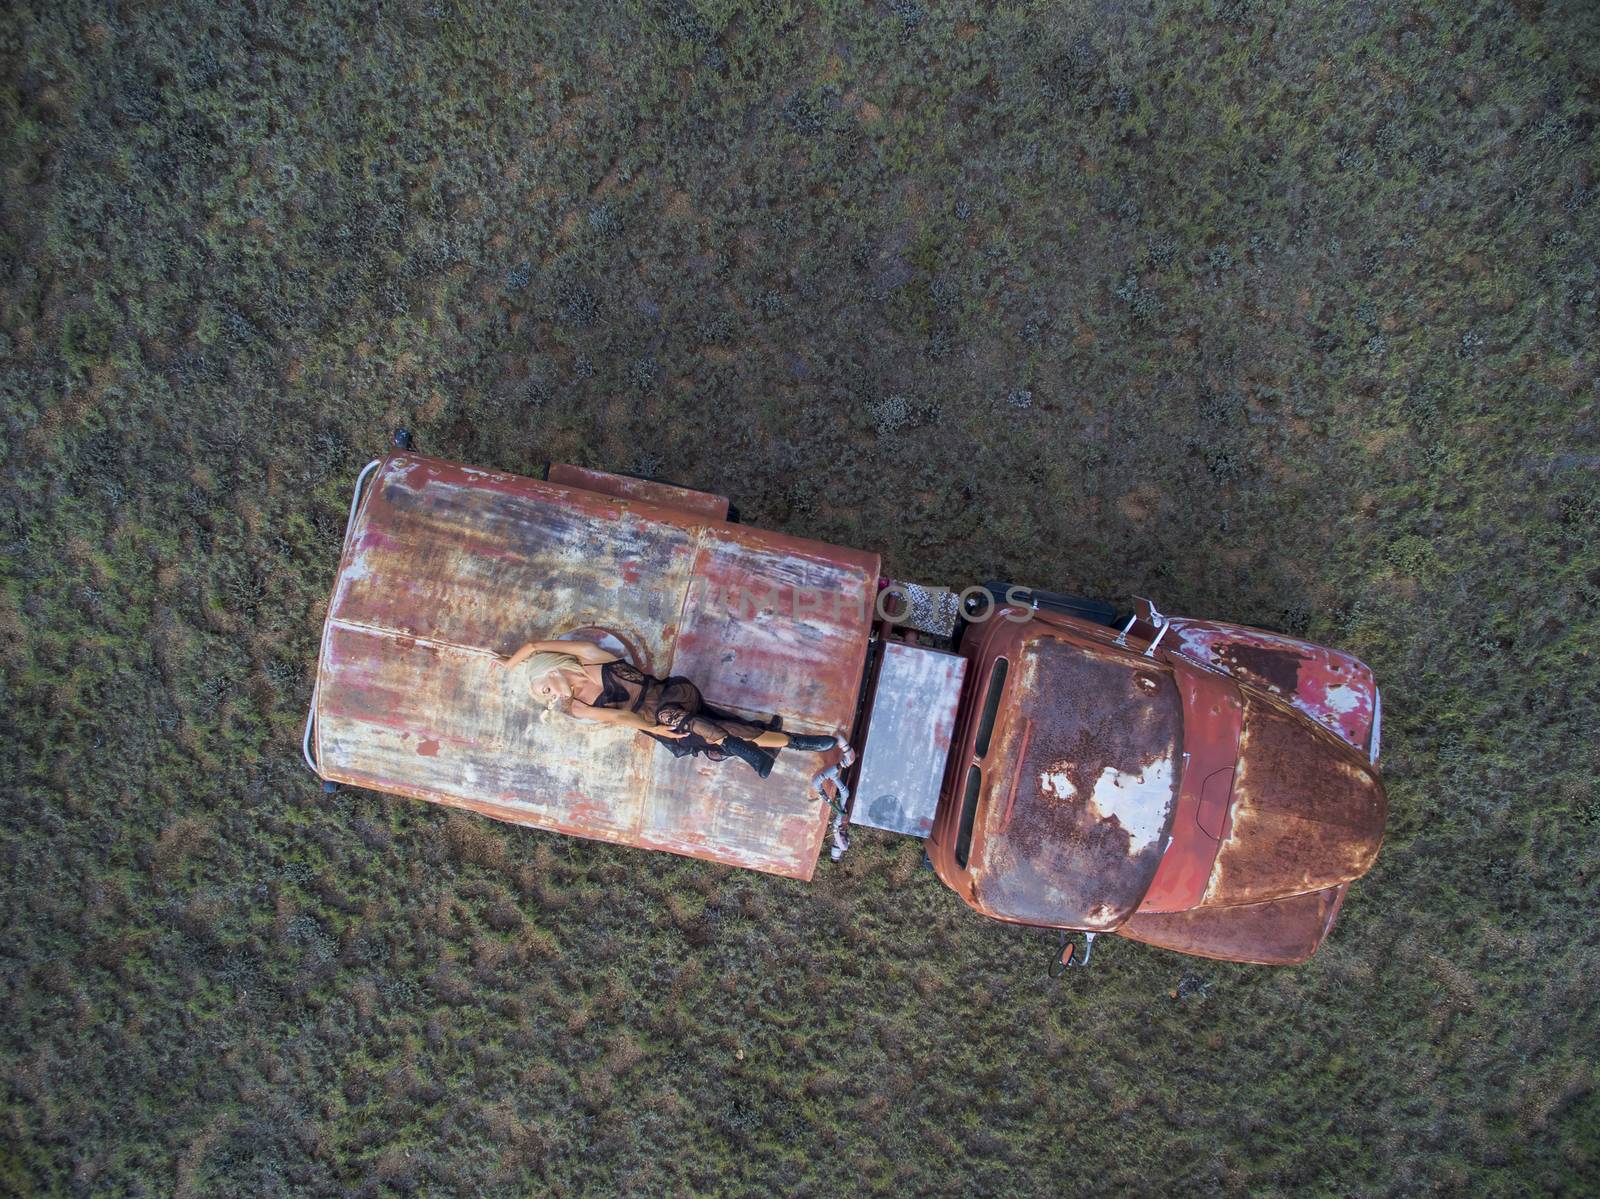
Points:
(1199, 786)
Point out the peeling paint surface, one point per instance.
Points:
(1080, 789)
(1335, 689)
(1140, 802)
(447, 567)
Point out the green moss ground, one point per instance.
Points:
(1288, 317)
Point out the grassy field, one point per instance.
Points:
(1287, 317)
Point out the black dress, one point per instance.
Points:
(676, 703)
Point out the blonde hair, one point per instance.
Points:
(545, 663)
(548, 662)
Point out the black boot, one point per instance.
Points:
(821, 744)
(748, 752)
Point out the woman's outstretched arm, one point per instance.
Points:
(584, 651)
(629, 720)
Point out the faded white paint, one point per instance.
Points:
(1138, 802)
(1343, 698)
(1057, 784)
(358, 568)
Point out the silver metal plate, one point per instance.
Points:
(908, 738)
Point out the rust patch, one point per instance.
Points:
(1090, 745)
(1308, 811)
(428, 748)
(1273, 668)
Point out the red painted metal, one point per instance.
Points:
(1212, 711)
(447, 566)
(1335, 689)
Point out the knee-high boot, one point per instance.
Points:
(748, 752)
(819, 743)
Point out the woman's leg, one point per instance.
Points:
(708, 730)
(758, 760)
(714, 729)
(716, 726)
(818, 744)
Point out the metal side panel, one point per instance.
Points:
(908, 739)
(1280, 932)
(668, 495)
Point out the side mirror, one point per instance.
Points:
(1068, 954)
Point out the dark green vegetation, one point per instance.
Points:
(1287, 318)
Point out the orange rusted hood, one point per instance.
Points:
(1279, 932)
(447, 566)
(1307, 811)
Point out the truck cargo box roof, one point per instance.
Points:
(446, 566)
